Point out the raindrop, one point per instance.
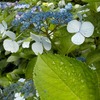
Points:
(61, 63)
(83, 86)
(73, 71)
(82, 81)
(68, 74)
(70, 64)
(60, 68)
(64, 79)
(79, 75)
(53, 62)
(73, 80)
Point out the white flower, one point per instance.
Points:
(4, 31)
(98, 9)
(10, 45)
(21, 80)
(82, 30)
(25, 44)
(61, 3)
(40, 42)
(19, 97)
(77, 6)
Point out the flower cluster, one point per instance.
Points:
(82, 30)
(40, 43)
(37, 17)
(14, 91)
(4, 5)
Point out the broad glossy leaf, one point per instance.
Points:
(4, 81)
(61, 78)
(62, 41)
(4, 64)
(29, 69)
(12, 58)
(93, 56)
(91, 0)
(97, 65)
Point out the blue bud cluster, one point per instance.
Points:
(38, 18)
(62, 17)
(4, 5)
(26, 88)
(81, 59)
(20, 6)
(68, 6)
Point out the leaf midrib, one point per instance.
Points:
(61, 79)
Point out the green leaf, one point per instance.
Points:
(62, 41)
(93, 56)
(12, 58)
(97, 65)
(4, 81)
(3, 64)
(91, 0)
(29, 69)
(61, 78)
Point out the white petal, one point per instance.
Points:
(73, 26)
(2, 29)
(78, 39)
(25, 44)
(46, 43)
(98, 9)
(35, 37)
(37, 48)
(20, 42)
(87, 29)
(10, 45)
(17, 94)
(4, 24)
(21, 80)
(10, 34)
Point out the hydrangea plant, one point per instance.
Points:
(39, 57)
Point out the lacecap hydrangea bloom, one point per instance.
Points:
(37, 17)
(82, 29)
(40, 43)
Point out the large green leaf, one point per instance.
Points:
(93, 56)
(61, 78)
(97, 65)
(91, 0)
(29, 69)
(62, 41)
